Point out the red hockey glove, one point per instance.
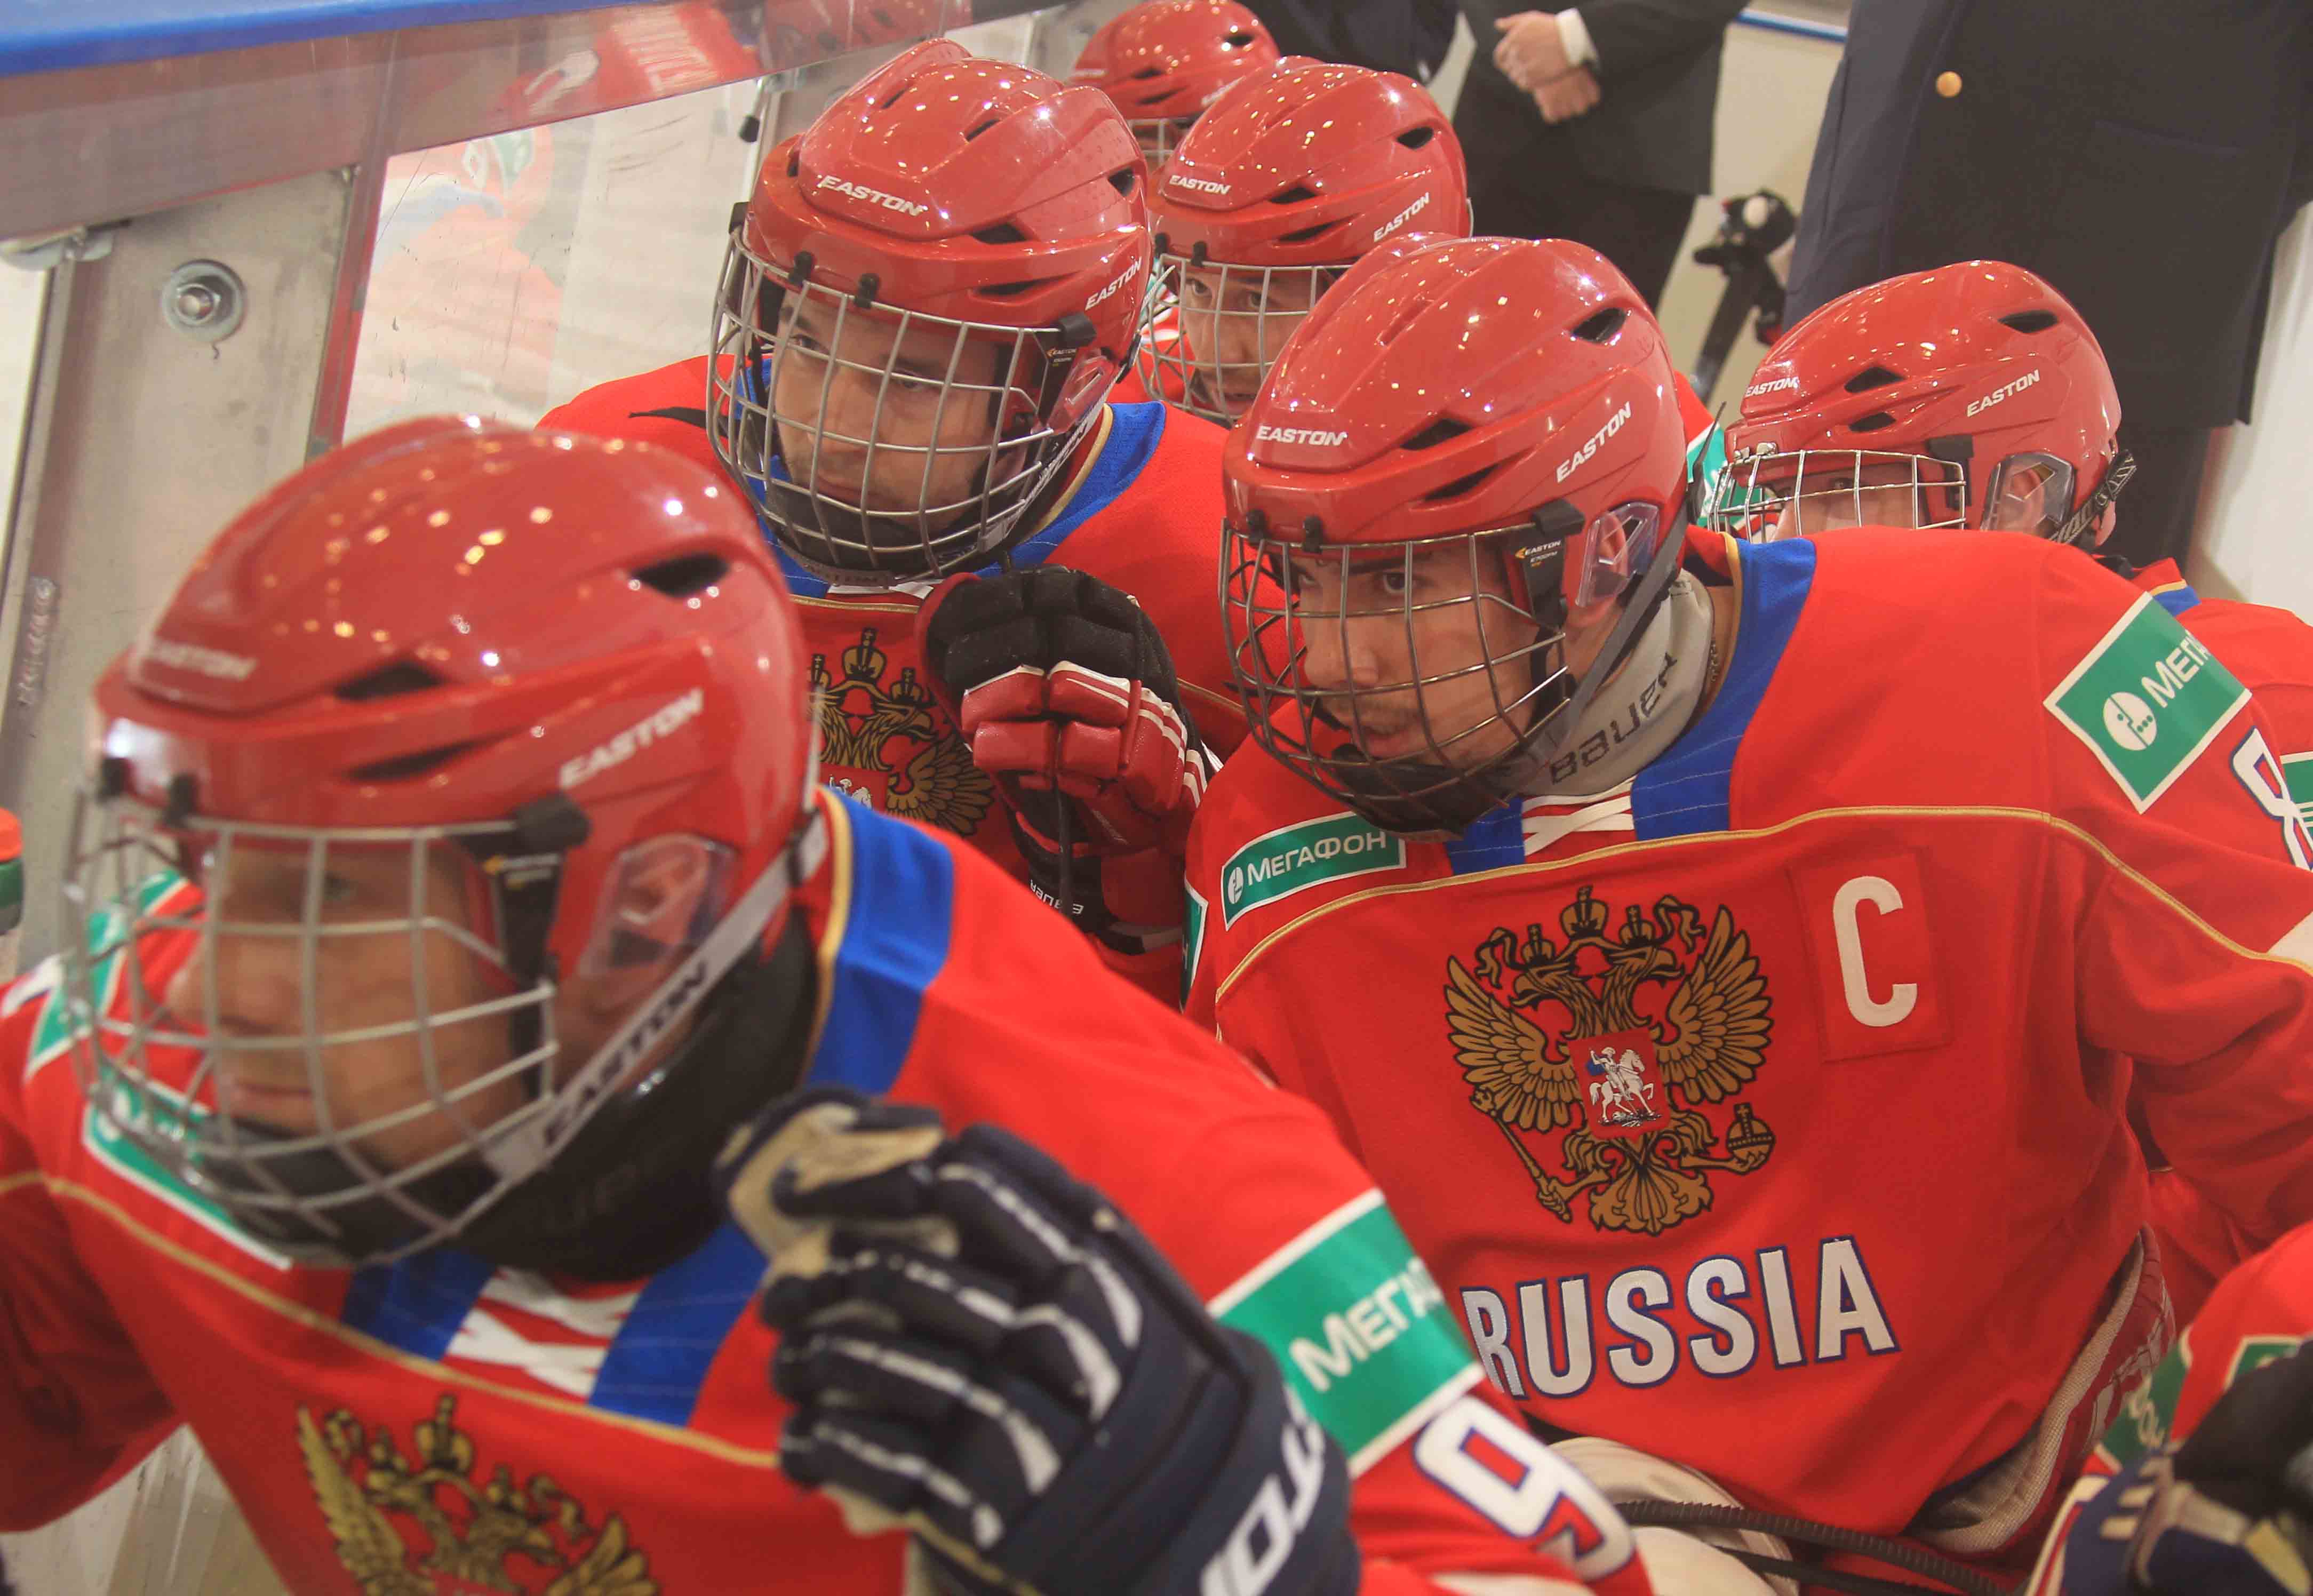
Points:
(1064, 689)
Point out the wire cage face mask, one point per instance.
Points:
(1158, 136)
(1404, 679)
(1765, 496)
(881, 446)
(322, 1034)
(1227, 325)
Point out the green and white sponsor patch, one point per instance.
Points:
(1192, 942)
(2148, 1413)
(1362, 1329)
(2296, 770)
(2146, 700)
(1295, 858)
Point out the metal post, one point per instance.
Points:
(145, 438)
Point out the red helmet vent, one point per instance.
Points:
(2030, 321)
(1601, 328)
(1871, 423)
(680, 578)
(1878, 376)
(1436, 433)
(1413, 138)
(1460, 487)
(409, 767)
(405, 676)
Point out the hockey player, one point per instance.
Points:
(1974, 395)
(2201, 1486)
(932, 290)
(1269, 197)
(1719, 950)
(1163, 62)
(452, 885)
(1275, 192)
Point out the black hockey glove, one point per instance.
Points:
(2227, 1512)
(980, 1347)
(1067, 697)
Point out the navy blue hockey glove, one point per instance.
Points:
(2227, 1512)
(981, 1348)
(1068, 697)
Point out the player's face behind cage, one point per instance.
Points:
(1820, 490)
(1414, 679)
(1233, 323)
(880, 443)
(323, 1031)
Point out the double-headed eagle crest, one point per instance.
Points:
(497, 1536)
(1618, 1040)
(891, 745)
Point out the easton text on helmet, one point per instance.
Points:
(1266, 433)
(1402, 217)
(209, 661)
(1122, 277)
(1770, 386)
(662, 722)
(1581, 456)
(2006, 391)
(890, 202)
(1202, 185)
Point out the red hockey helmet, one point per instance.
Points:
(1972, 395)
(1164, 61)
(549, 690)
(932, 292)
(1470, 446)
(1276, 191)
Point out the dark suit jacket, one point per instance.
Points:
(1658, 72)
(2142, 155)
(1407, 35)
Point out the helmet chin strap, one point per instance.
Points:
(2081, 524)
(1644, 705)
(1530, 771)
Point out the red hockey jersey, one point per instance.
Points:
(2262, 1311)
(1143, 513)
(2271, 652)
(441, 1426)
(1762, 1113)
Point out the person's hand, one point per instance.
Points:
(981, 1348)
(1532, 51)
(2225, 1513)
(1562, 99)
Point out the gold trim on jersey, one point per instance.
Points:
(312, 1318)
(2301, 934)
(839, 911)
(1084, 463)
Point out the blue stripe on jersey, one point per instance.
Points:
(1686, 790)
(419, 1303)
(1495, 838)
(1134, 431)
(654, 1367)
(896, 943)
(2178, 600)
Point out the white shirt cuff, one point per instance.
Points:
(1574, 37)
